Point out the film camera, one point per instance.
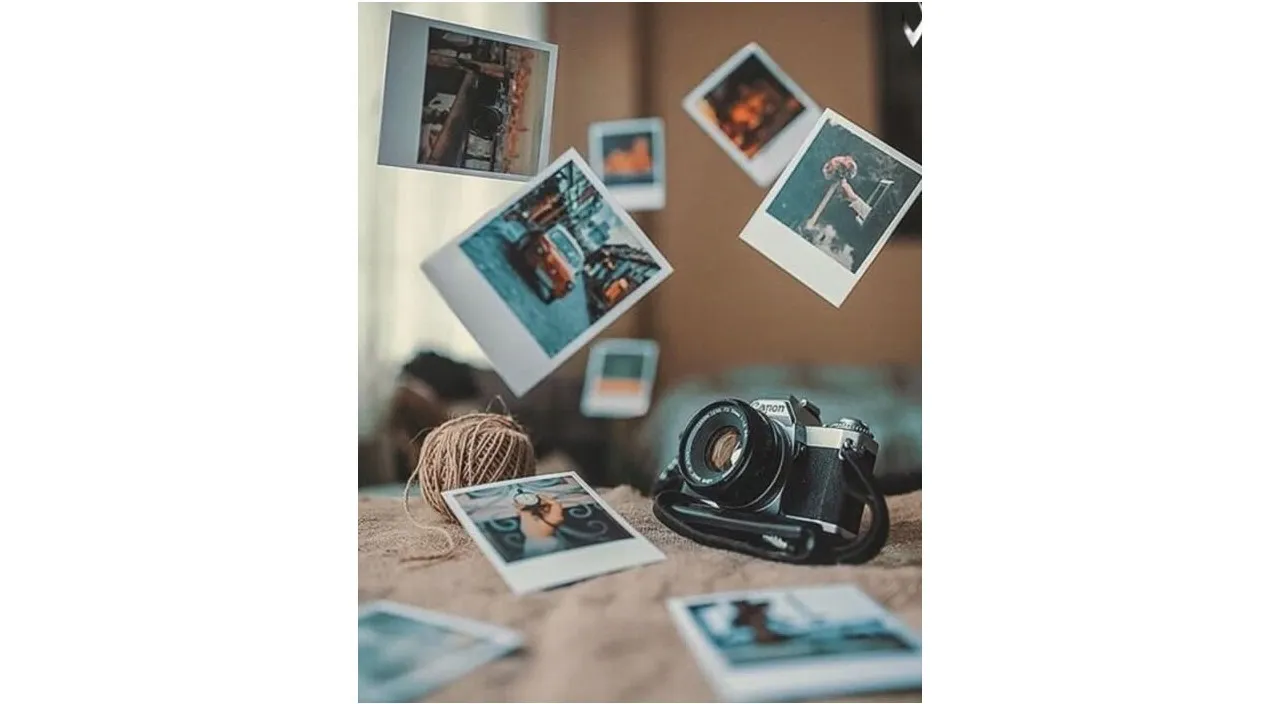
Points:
(768, 478)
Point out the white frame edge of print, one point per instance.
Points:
(598, 405)
(432, 674)
(808, 677)
(561, 567)
(763, 167)
(634, 197)
(512, 349)
(404, 85)
(797, 256)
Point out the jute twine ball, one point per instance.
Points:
(477, 448)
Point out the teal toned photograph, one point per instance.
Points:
(844, 195)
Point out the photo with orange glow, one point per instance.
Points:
(750, 106)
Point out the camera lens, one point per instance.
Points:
(731, 454)
(724, 449)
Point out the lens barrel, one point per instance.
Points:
(751, 479)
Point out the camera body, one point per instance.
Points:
(775, 458)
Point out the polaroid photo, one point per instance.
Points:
(832, 211)
(619, 380)
(541, 275)
(754, 111)
(547, 531)
(406, 652)
(772, 645)
(630, 158)
(463, 100)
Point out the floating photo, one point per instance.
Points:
(619, 380)
(754, 111)
(464, 100)
(405, 652)
(537, 278)
(831, 213)
(797, 643)
(548, 530)
(630, 158)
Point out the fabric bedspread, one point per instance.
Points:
(610, 638)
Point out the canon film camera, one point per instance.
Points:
(769, 479)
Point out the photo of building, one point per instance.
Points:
(483, 104)
(750, 106)
(560, 258)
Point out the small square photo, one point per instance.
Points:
(792, 643)
(629, 157)
(465, 100)
(536, 279)
(754, 111)
(834, 208)
(545, 531)
(538, 517)
(619, 379)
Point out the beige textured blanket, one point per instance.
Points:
(608, 639)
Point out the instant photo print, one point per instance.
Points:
(629, 156)
(619, 380)
(832, 211)
(754, 111)
(547, 531)
(406, 653)
(464, 100)
(785, 644)
(540, 276)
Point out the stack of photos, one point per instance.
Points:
(547, 531)
(541, 275)
(464, 100)
(619, 380)
(830, 214)
(406, 653)
(754, 111)
(629, 156)
(782, 644)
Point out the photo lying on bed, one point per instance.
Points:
(407, 652)
(782, 627)
(539, 516)
(797, 643)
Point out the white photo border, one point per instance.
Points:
(764, 167)
(797, 256)
(620, 406)
(512, 350)
(559, 568)
(777, 682)
(403, 85)
(634, 197)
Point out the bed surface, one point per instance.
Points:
(609, 638)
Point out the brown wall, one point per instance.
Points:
(726, 305)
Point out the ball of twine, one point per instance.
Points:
(477, 448)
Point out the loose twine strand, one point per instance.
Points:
(476, 448)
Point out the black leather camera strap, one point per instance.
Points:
(771, 538)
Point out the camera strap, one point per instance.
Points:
(772, 538)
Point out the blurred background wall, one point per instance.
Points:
(728, 306)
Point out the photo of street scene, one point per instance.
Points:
(750, 106)
(844, 194)
(484, 104)
(628, 159)
(560, 257)
(791, 626)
